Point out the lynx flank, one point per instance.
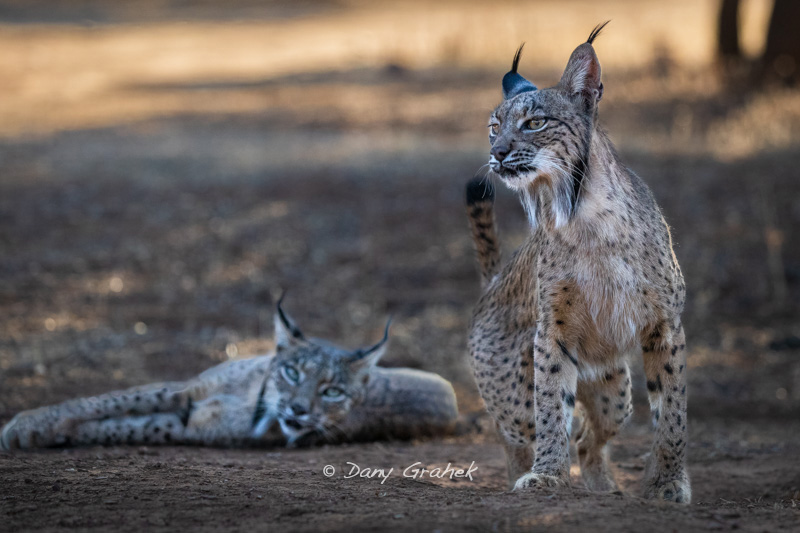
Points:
(595, 281)
(307, 391)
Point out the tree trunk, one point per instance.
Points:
(782, 53)
(728, 31)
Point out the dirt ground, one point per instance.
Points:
(147, 225)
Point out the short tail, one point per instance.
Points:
(480, 210)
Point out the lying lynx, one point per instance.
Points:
(307, 391)
(595, 281)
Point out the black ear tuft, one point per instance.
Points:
(596, 31)
(517, 56)
(293, 330)
(513, 83)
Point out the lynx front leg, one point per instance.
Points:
(665, 367)
(554, 393)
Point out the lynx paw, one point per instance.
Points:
(533, 480)
(676, 490)
(28, 430)
(15, 435)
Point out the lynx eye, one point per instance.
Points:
(494, 128)
(333, 394)
(290, 374)
(536, 124)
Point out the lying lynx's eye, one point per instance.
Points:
(536, 124)
(290, 374)
(494, 128)
(333, 394)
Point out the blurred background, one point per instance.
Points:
(168, 166)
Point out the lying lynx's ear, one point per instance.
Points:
(513, 83)
(582, 75)
(287, 334)
(365, 358)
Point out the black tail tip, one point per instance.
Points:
(480, 189)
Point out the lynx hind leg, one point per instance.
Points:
(606, 406)
(664, 352)
(519, 460)
(56, 425)
(217, 421)
(165, 428)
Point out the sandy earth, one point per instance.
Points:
(148, 243)
(749, 485)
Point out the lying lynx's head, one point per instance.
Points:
(311, 384)
(542, 136)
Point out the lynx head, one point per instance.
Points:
(313, 384)
(541, 137)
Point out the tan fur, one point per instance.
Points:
(252, 403)
(595, 281)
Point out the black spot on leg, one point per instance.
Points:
(555, 369)
(668, 368)
(652, 386)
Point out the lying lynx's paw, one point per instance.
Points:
(30, 429)
(15, 434)
(533, 480)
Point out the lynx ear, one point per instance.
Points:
(287, 334)
(582, 75)
(365, 358)
(513, 83)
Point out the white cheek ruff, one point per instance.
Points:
(263, 425)
(562, 201)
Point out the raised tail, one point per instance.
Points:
(480, 210)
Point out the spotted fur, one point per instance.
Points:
(595, 281)
(307, 391)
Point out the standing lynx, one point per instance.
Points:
(595, 281)
(306, 391)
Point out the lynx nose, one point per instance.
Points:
(500, 151)
(298, 409)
